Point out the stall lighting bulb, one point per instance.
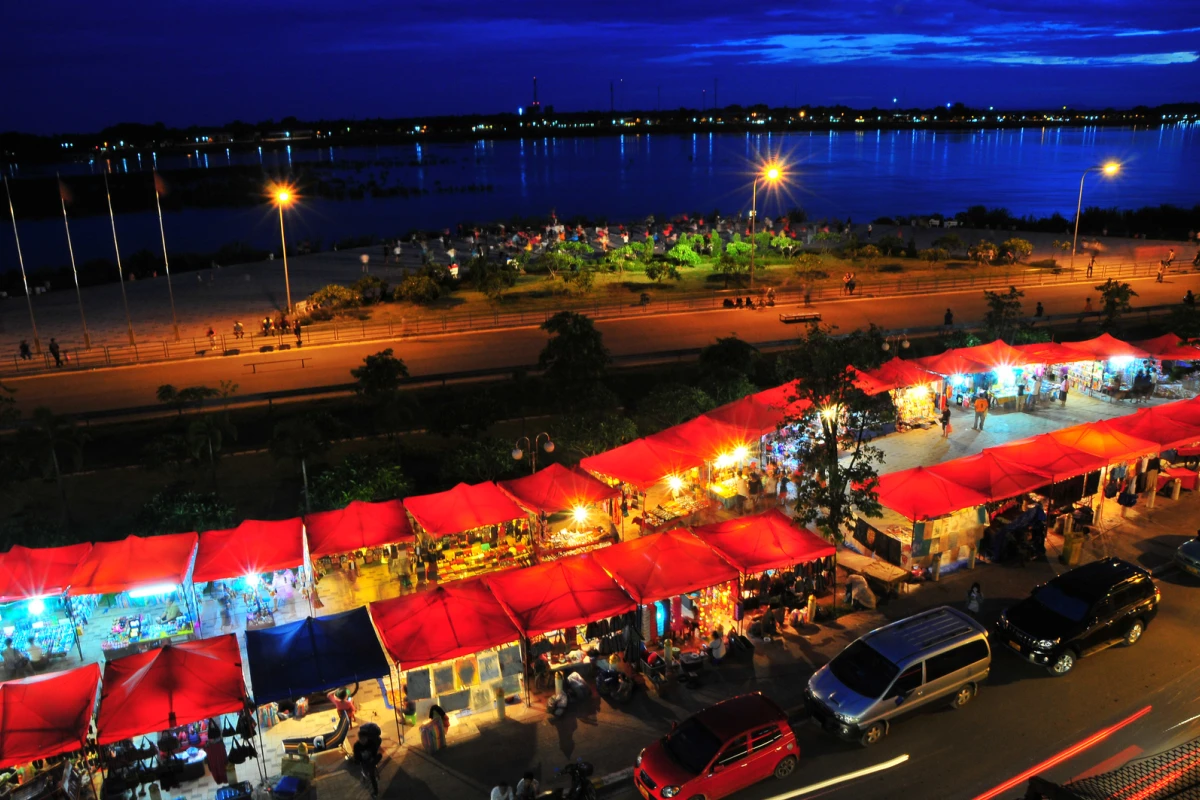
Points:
(675, 482)
(37, 606)
(580, 514)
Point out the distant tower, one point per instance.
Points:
(535, 107)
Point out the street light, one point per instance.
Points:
(518, 453)
(772, 174)
(1110, 169)
(284, 196)
(901, 339)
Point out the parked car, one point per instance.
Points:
(1187, 557)
(719, 751)
(1080, 612)
(940, 655)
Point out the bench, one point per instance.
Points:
(254, 366)
(800, 316)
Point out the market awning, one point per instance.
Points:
(899, 373)
(639, 463)
(919, 493)
(312, 655)
(991, 476)
(701, 440)
(749, 414)
(1148, 424)
(1105, 346)
(1046, 454)
(46, 715)
(174, 685)
(664, 565)
(27, 572)
(559, 594)
(463, 508)
(1104, 441)
(952, 362)
(1181, 411)
(783, 399)
(996, 354)
(359, 524)
(759, 542)
(448, 621)
(252, 548)
(135, 561)
(869, 384)
(1169, 347)
(557, 488)
(1050, 353)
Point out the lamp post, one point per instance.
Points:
(900, 339)
(1111, 168)
(283, 197)
(770, 174)
(518, 453)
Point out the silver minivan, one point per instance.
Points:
(937, 655)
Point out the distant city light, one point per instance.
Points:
(520, 111)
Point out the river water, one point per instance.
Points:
(861, 175)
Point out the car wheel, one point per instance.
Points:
(873, 734)
(1064, 664)
(785, 767)
(1134, 633)
(963, 696)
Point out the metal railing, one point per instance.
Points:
(876, 285)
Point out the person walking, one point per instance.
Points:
(1063, 388)
(948, 320)
(1091, 265)
(981, 410)
(1037, 312)
(1162, 270)
(212, 337)
(945, 420)
(296, 330)
(975, 600)
(54, 351)
(1087, 306)
(23, 349)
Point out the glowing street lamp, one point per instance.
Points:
(518, 453)
(771, 173)
(1111, 168)
(283, 195)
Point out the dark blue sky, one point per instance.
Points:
(76, 66)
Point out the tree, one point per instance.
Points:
(1004, 312)
(1016, 249)
(378, 388)
(671, 404)
(785, 244)
(726, 367)
(490, 278)
(50, 440)
(1114, 301)
(716, 245)
(891, 245)
(175, 509)
(370, 289)
(371, 478)
(580, 279)
(734, 262)
(420, 289)
(621, 257)
(950, 242)
(658, 272)
(8, 407)
(189, 397)
(682, 255)
(933, 255)
(591, 433)
(479, 460)
(206, 436)
(982, 252)
(808, 266)
(300, 439)
(575, 357)
(869, 253)
(840, 470)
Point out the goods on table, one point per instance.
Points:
(142, 629)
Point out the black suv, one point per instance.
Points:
(1081, 612)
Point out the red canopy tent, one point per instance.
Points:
(1159, 428)
(1050, 353)
(991, 476)
(995, 354)
(869, 384)
(664, 565)
(700, 440)
(640, 463)
(899, 373)
(781, 398)
(135, 561)
(170, 686)
(558, 488)
(46, 715)
(1169, 347)
(558, 594)
(759, 542)
(918, 494)
(463, 508)
(750, 415)
(952, 362)
(1104, 441)
(1046, 454)
(28, 572)
(450, 620)
(360, 524)
(252, 548)
(1104, 347)
(1180, 411)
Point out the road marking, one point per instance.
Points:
(1185, 722)
(849, 776)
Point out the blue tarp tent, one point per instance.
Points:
(313, 655)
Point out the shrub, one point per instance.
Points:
(333, 296)
(418, 289)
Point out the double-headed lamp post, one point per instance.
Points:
(771, 173)
(518, 453)
(1111, 168)
(284, 196)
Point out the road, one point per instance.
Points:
(126, 387)
(1021, 717)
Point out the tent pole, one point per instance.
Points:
(91, 771)
(525, 646)
(75, 626)
(399, 693)
(262, 752)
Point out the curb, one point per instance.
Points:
(613, 780)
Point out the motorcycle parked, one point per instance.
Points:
(581, 787)
(616, 686)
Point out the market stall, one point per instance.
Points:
(468, 531)
(1170, 350)
(251, 576)
(1106, 366)
(46, 715)
(660, 487)
(146, 582)
(925, 519)
(721, 456)
(35, 610)
(914, 391)
(362, 552)
(575, 511)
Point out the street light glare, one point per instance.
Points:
(1112, 168)
(283, 196)
(772, 173)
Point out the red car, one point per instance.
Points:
(719, 751)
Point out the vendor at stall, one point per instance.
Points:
(172, 612)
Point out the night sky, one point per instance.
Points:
(78, 66)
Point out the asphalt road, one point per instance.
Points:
(77, 392)
(1021, 717)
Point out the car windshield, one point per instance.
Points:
(1061, 603)
(692, 746)
(863, 670)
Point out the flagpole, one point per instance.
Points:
(37, 342)
(117, 249)
(166, 263)
(62, 196)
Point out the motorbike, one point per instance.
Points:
(581, 787)
(616, 686)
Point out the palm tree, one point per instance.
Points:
(206, 434)
(47, 437)
(299, 439)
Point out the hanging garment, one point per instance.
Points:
(217, 758)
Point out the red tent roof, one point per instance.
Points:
(27, 572)
(450, 620)
(1148, 424)
(991, 476)
(952, 362)
(174, 685)
(558, 594)
(1050, 353)
(749, 414)
(558, 488)
(252, 548)
(870, 384)
(759, 542)
(1169, 347)
(134, 561)
(996, 353)
(463, 508)
(359, 524)
(898, 373)
(640, 463)
(780, 399)
(1046, 454)
(701, 440)
(1181, 411)
(1104, 441)
(664, 565)
(1105, 346)
(918, 493)
(46, 715)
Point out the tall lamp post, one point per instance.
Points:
(771, 174)
(284, 196)
(1111, 168)
(518, 453)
